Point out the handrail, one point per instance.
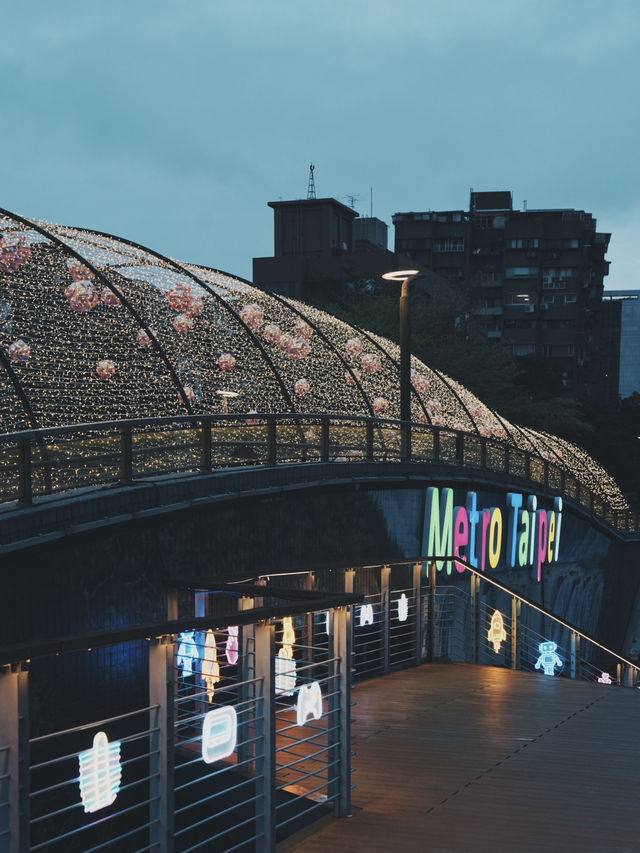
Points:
(620, 520)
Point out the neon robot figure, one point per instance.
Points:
(548, 659)
(309, 703)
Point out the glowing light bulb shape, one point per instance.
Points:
(496, 634)
(309, 703)
(548, 659)
(605, 678)
(219, 734)
(210, 665)
(288, 632)
(403, 608)
(285, 672)
(100, 773)
(231, 649)
(187, 652)
(366, 615)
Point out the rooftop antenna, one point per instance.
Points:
(311, 189)
(524, 204)
(352, 199)
(371, 202)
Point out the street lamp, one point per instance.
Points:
(406, 277)
(226, 396)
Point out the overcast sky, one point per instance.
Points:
(174, 123)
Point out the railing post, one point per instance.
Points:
(339, 722)
(460, 448)
(369, 440)
(546, 473)
(161, 746)
(631, 676)
(619, 674)
(417, 599)
(14, 760)
(205, 447)
(515, 625)
(308, 584)
(507, 459)
(575, 655)
(436, 444)
(474, 589)
(385, 589)
(431, 623)
(324, 440)
(126, 455)
(246, 674)
(483, 453)
(527, 465)
(263, 636)
(405, 442)
(272, 452)
(25, 488)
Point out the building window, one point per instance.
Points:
(521, 299)
(451, 244)
(523, 243)
(523, 349)
(520, 272)
(570, 297)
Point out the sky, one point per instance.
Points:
(174, 123)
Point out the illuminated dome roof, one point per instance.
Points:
(95, 327)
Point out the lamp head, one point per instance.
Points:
(400, 275)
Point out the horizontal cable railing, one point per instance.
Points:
(34, 463)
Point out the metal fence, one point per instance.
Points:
(46, 461)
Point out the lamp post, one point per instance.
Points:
(406, 277)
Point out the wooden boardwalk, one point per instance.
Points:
(455, 757)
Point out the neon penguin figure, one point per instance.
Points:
(496, 634)
(548, 659)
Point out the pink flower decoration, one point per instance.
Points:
(82, 295)
(302, 387)
(179, 298)
(371, 363)
(350, 374)
(272, 333)
(419, 382)
(226, 362)
(302, 329)
(143, 339)
(353, 347)
(380, 405)
(14, 251)
(252, 315)
(183, 324)
(110, 298)
(78, 271)
(105, 368)
(19, 352)
(197, 306)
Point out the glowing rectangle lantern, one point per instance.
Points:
(219, 733)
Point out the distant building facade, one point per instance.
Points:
(320, 240)
(622, 309)
(535, 277)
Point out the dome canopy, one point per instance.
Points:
(95, 327)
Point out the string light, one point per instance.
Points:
(120, 332)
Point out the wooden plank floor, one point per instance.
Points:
(455, 757)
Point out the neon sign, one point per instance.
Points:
(288, 632)
(100, 773)
(231, 649)
(605, 678)
(530, 537)
(548, 659)
(210, 665)
(496, 634)
(309, 703)
(219, 734)
(403, 608)
(187, 652)
(366, 615)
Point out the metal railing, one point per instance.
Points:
(41, 462)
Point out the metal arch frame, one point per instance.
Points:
(578, 462)
(176, 265)
(20, 392)
(102, 278)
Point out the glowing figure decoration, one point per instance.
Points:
(187, 653)
(605, 678)
(496, 634)
(326, 623)
(309, 703)
(548, 659)
(231, 649)
(210, 665)
(100, 773)
(366, 615)
(288, 632)
(285, 672)
(219, 734)
(403, 608)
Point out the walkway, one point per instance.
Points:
(455, 757)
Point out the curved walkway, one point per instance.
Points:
(475, 759)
